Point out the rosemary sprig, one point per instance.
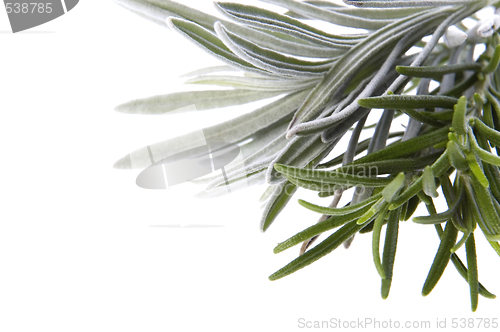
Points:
(328, 83)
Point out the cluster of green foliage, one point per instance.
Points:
(327, 86)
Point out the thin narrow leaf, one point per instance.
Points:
(440, 166)
(278, 59)
(462, 86)
(321, 227)
(232, 131)
(412, 205)
(390, 166)
(408, 102)
(437, 72)
(483, 154)
(211, 43)
(460, 243)
(441, 259)
(438, 217)
(340, 211)
(490, 134)
(324, 248)
(280, 69)
(330, 16)
(495, 60)
(392, 189)
(462, 270)
(476, 169)
(456, 156)
(377, 228)
(362, 146)
(429, 182)
(495, 246)
(454, 195)
(459, 124)
(278, 200)
(265, 19)
(193, 101)
(421, 117)
(373, 212)
(299, 152)
(491, 225)
(389, 255)
(406, 148)
(327, 177)
(254, 83)
(470, 247)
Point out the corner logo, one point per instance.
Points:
(26, 14)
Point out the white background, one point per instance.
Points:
(80, 246)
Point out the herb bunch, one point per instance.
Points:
(327, 86)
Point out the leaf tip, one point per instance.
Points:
(279, 167)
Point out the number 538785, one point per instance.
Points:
(28, 7)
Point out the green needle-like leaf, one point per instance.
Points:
(488, 115)
(489, 133)
(441, 259)
(373, 212)
(476, 169)
(491, 224)
(462, 270)
(326, 177)
(278, 200)
(459, 124)
(495, 60)
(389, 255)
(324, 248)
(483, 154)
(456, 156)
(439, 167)
(211, 43)
(390, 166)
(434, 218)
(470, 247)
(362, 146)
(377, 228)
(429, 182)
(436, 72)
(462, 86)
(495, 246)
(321, 227)
(411, 207)
(408, 102)
(392, 189)
(406, 148)
(460, 243)
(340, 211)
